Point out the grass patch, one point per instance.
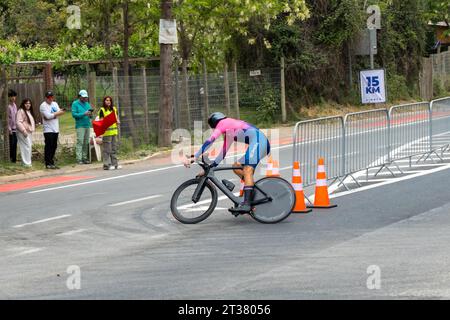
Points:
(67, 123)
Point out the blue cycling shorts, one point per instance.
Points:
(258, 148)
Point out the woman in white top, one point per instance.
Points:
(25, 128)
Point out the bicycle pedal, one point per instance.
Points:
(230, 185)
(234, 213)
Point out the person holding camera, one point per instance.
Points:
(50, 112)
(11, 112)
(82, 113)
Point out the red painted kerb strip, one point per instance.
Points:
(40, 182)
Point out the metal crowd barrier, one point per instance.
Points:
(371, 139)
(410, 130)
(366, 140)
(320, 138)
(440, 121)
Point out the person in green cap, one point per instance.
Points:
(82, 113)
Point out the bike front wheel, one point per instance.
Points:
(185, 210)
(281, 205)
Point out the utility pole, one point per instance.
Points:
(165, 100)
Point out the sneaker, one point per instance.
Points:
(108, 167)
(118, 167)
(51, 166)
(86, 162)
(80, 162)
(242, 208)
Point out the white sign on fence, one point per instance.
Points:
(255, 73)
(373, 88)
(168, 32)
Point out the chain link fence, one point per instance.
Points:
(252, 95)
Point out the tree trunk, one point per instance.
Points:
(126, 106)
(166, 92)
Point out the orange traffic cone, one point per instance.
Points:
(269, 167)
(275, 169)
(321, 198)
(241, 191)
(300, 206)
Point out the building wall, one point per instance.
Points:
(440, 35)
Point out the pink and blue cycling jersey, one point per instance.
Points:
(239, 131)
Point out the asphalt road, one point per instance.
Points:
(117, 229)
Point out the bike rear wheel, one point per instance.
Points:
(282, 204)
(185, 210)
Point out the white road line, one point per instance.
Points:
(41, 221)
(423, 165)
(347, 154)
(158, 236)
(135, 200)
(391, 181)
(69, 233)
(203, 208)
(27, 252)
(105, 179)
(135, 174)
(396, 152)
(375, 180)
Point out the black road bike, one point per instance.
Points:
(195, 200)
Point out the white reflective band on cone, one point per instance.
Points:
(321, 183)
(321, 169)
(297, 172)
(298, 186)
(269, 166)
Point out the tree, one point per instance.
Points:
(439, 11)
(165, 101)
(33, 21)
(207, 26)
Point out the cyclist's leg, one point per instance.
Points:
(249, 162)
(245, 174)
(239, 172)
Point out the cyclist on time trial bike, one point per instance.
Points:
(239, 131)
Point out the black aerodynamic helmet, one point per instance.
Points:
(214, 119)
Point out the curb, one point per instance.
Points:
(77, 168)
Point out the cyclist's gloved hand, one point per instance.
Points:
(187, 161)
(201, 174)
(214, 164)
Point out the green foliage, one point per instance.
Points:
(10, 52)
(269, 109)
(314, 36)
(438, 11)
(397, 88)
(126, 146)
(261, 98)
(403, 38)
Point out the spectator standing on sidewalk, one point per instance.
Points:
(109, 138)
(82, 113)
(12, 126)
(50, 112)
(25, 129)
